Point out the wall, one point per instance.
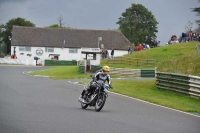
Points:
(17, 61)
(64, 54)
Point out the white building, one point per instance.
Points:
(65, 44)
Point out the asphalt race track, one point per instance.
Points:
(31, 104)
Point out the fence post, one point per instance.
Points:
(198, 49)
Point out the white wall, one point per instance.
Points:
(64, 54)
(17, 61)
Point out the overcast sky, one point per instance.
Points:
(172, 15)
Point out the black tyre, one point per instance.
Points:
(83, 105)
(100, 102)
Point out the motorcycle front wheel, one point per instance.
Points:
(83, 105)
(100, 102)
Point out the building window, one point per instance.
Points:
(73, 50)
(24, 48)
(49, 49)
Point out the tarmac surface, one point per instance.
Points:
(33, 104)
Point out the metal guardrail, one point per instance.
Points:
(127, 72)
(186, 84)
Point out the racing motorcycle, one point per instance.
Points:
(98, 97)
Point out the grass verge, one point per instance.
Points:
(147, 91)
(61, 72)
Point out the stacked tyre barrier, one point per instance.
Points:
(81, 69)
(186, 84)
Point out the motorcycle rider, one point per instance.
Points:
(101, 77)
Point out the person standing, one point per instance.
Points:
(102, 54)
(190, 35)
(106, 53)
(184, 36)
(112, 53)
(139, 48)
(129, 50)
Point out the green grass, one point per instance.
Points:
(147, 91)
(61, 72)
(178, 58)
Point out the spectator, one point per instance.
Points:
(106, 53)
(184, 36)
(129, 50)
(194, 35)
(147, 45)
(144, 46)
(190, 35)
(139, 48)
(198, 38)
(158, 45)
(112, 53)
(102, 53)
(155, 43)
(173, 40)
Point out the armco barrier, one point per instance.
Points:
(186, 84)
(95, 68)
(147, 73)
(60, 63)
(127, 72)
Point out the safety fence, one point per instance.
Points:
(133, 61)
(186, 84)
(132, 72)
(127, 72)
(60, 63)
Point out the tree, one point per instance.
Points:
(138, 24)
(60, 20)
(54, 26)
(188, 27)
(7, 30)
(59, 25)
(197, 10)
(1, 34)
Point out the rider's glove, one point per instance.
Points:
(110, 86)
